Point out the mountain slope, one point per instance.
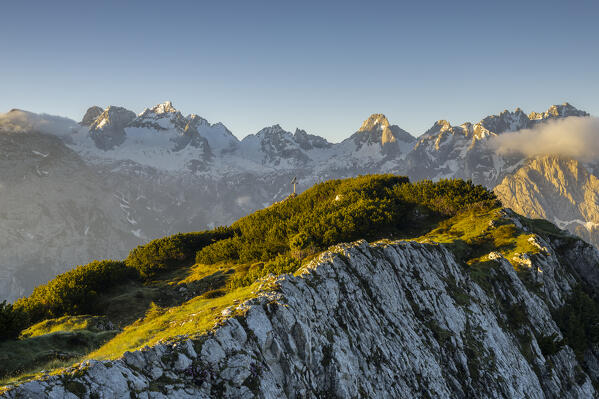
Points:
(560, 190)
(485, 304)
(54, 213)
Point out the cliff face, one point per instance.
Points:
(387, 320)
(557, 189)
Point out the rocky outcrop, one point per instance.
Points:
(389, 320)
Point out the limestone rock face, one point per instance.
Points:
(90, 115)
(388, 320)
(377, 130)
(108, 129)
(557, 189)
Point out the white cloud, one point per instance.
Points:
(24, 121)
(573, 137)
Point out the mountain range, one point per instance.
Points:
(76, 191)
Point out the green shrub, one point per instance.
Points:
(223, 249)
(369, 207)
(550, 345)
(171, 252)
(12, 321)
(299, 244)
(74, 292)
(280, 265)
(447, 196)
(578, 320)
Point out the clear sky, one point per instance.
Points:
(321, 66)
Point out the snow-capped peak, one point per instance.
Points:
(558, 111)
(108, 129)
(272, 130)
(165, 107)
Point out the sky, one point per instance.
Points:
(320, 66)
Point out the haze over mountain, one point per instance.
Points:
(160, 172)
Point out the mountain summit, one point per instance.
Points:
(379, 129)
(165, 107)
(374, 121)
(558, 111)
(90, 115)
(108, 129)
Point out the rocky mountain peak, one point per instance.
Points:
(90, 115)
(377, 129)
(309, 141)
(439, 126)
(164, 108)
(197, 120)
(272, 130)
(108, 129)
(373, 122)
(558, 111)
(113, 115)
(506, 121)
(161, 117)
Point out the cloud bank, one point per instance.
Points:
(573, 137)
(24, 121)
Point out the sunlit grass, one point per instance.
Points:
(21, 359)
(65, 323)
(194, 317)
(472, 235)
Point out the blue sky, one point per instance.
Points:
(321, 66)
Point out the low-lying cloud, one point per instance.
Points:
(24, 121)
(573, 137)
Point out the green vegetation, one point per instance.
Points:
(369, 207)
(479, 230)
(578, 320)
(280, 265)
(193, 317)
(46, 351)
(12, 321)
(74, 292)
(168, 253)
(157, 293)
(67, 323)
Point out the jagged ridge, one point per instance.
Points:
(395, 319)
